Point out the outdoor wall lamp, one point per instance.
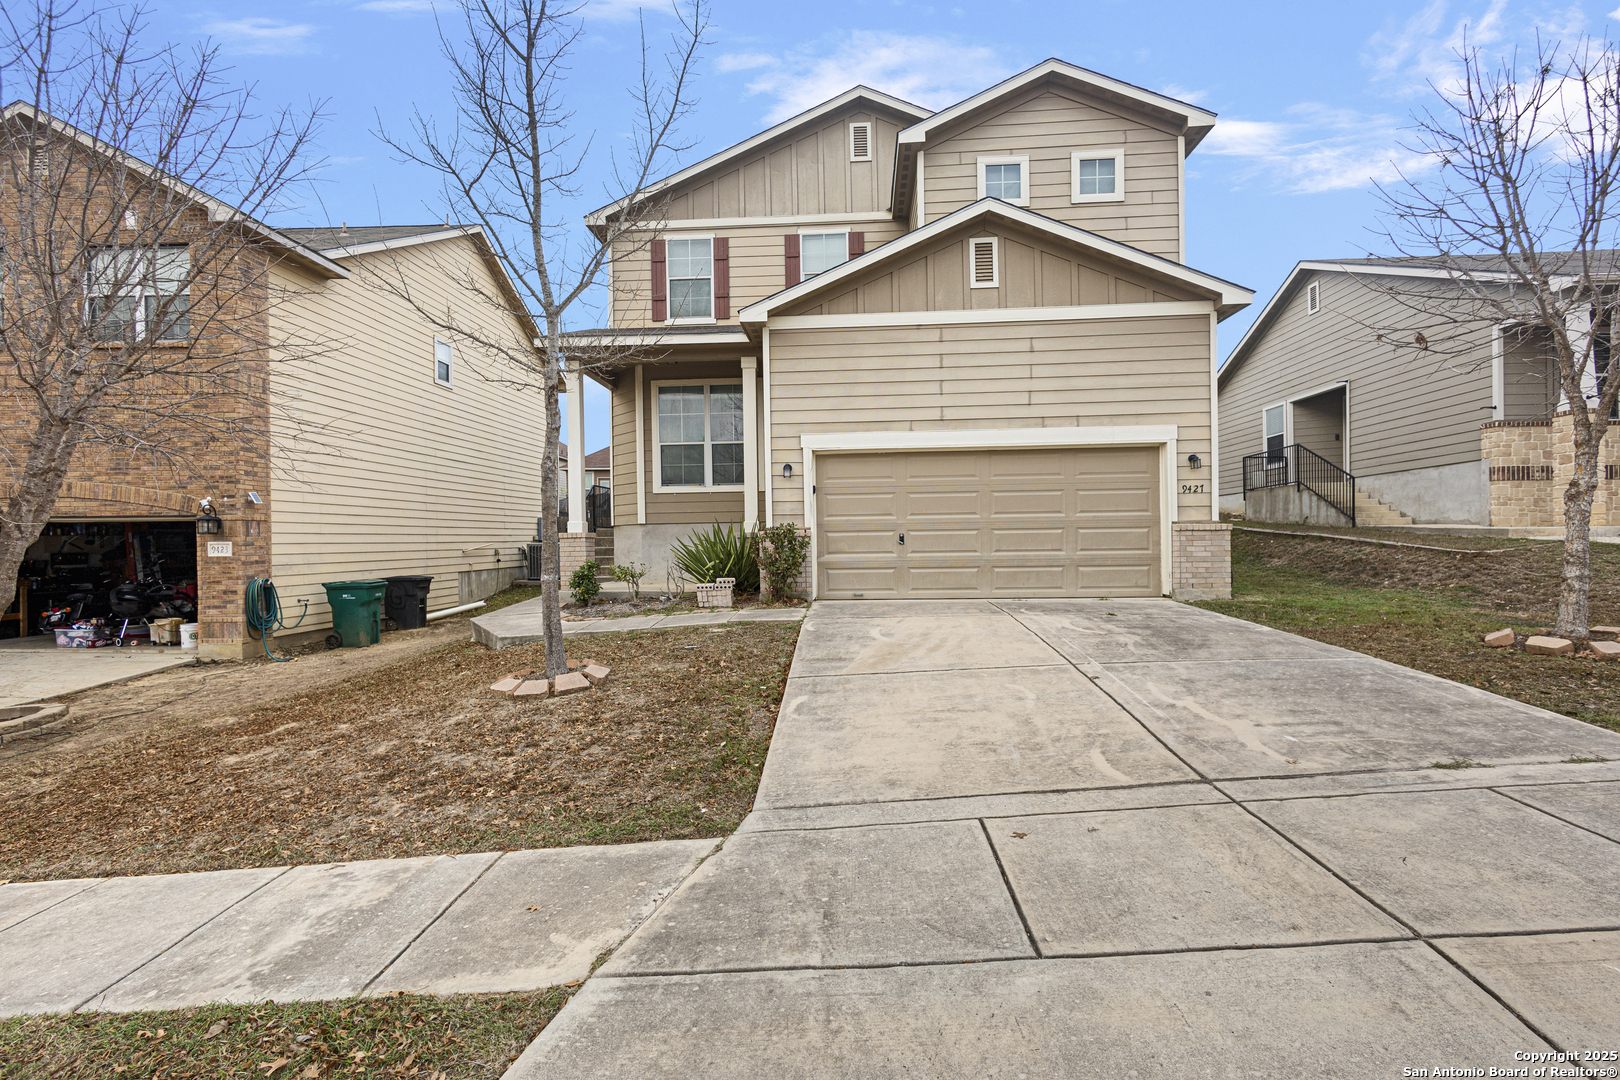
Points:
(1194, 461)
(787, 470)
(208, 523)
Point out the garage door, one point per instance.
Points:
(988, 523)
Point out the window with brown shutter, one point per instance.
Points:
(790, 259)
(722, 278)
(660, 284)
(857, 244)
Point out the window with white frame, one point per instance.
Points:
(699, 429)
(820, 252)
(443, 363)
(690, 265)
(1097, 175)
(1004, 178)
(984, 271)
(140, 293)
(1313, 298)
(860, 142)
(1276, 431)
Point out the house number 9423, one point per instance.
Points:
(1192, 489)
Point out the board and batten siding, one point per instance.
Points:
(1408, 409)
(1049, 123)
(423, 472)
(991, 375)
(692, 506)
(1034, 272)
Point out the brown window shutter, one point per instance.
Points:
(857, 244)
(722, 278)
(660, 283)
(790, 261)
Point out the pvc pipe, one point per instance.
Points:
(454, 610)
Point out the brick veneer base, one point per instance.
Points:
(574, 550)
(1549, 444)
(1201, 560)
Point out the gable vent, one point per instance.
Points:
(1313, 298)
(860, 142)
(986, 272)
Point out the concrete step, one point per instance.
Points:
(1371, 512)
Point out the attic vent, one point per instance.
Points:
(1313, 298)
(860, 142)
(986, 271)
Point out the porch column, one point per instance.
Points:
(750, 419)
(1578, 324)
(576, 448)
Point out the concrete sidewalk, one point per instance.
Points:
(1151, 841)
(520, 920)
(521, 624)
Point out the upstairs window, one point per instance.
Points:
(691, 278)
(443, 361)
(1097, 176)
(820, 252)
(860, 142)
(700, 435)
(137, 294)
(1004, 178)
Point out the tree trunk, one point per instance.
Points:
(1575, 586)
(31, 504)
(550, 548)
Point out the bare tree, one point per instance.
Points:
(511, 164)
(133, 293)
(1525, 156)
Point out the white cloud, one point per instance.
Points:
(1422, 51)
(399, 7)
(744, 61)
(930, 71)
(256, 35)
(614, 10)
(1318, 149)
(1181, 93)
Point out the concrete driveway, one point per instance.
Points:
(34, 669)
(1127, 838)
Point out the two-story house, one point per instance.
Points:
(962, 347)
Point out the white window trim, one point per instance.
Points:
(142, 288)
(708, 443)
(1075, 158)
(451, 381)
(995, 262)
(693, 320)
(1013, 159)
(867, 124)
(1288, 418)
(810, 230)
(1313, 297)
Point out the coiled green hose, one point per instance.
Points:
(262, 606)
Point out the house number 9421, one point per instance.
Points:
(1192, 489)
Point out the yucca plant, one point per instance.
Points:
(721, 551)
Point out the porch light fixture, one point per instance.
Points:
(1194, 461)
(208, 523)
(787, 470)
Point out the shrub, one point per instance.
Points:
(631, 574)
(583, 583)
(782, 551)
(721, 551)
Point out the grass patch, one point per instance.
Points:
(1430, 610)
(1460, 763)
(469, 1035)
(420, 758)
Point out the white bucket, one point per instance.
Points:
(188, 635)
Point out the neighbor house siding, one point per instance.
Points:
(991, 375)
(411, 477)
(1529, 378)
(1048, 124)
(701, 506)
(1409, 408)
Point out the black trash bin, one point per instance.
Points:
(406, 600)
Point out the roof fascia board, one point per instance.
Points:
(1193, 116)
(1229, 293)
(1065, 313)
(345, 252)
(219, 212)
(727, 337)
(815, 112)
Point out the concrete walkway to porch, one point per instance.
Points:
(1125, 838)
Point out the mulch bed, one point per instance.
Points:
(421, 758)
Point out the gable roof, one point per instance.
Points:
(218, 210)
(596, 219)
(1228, 296)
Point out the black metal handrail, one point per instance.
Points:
(1302, 468)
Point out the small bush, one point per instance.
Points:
(721, 551)
(583, 583)
(782, 551)
(631, 574)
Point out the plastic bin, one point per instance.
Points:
(188, 635)
(356, 611)
(406, 601)
(88, 638)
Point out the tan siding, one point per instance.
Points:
(1529, 379)
(992, 375)
(1319, 426)
(1408, 410)
(1048, 124)
(423, 473)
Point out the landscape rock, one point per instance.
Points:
(1501, 639)
(1615, 630)
(1606, 650)
(1550, 646)
(596, 673)
(571, 683)
(534, 688)
(506, 685)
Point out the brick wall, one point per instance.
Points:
(1201, 560)
(574, 550)
(1532, 462)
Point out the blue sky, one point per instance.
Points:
(1312, 99)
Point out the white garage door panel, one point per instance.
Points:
(985, 523)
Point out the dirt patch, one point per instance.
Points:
(419, 758)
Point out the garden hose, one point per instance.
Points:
(262, 606)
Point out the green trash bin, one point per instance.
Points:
(356, 612)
